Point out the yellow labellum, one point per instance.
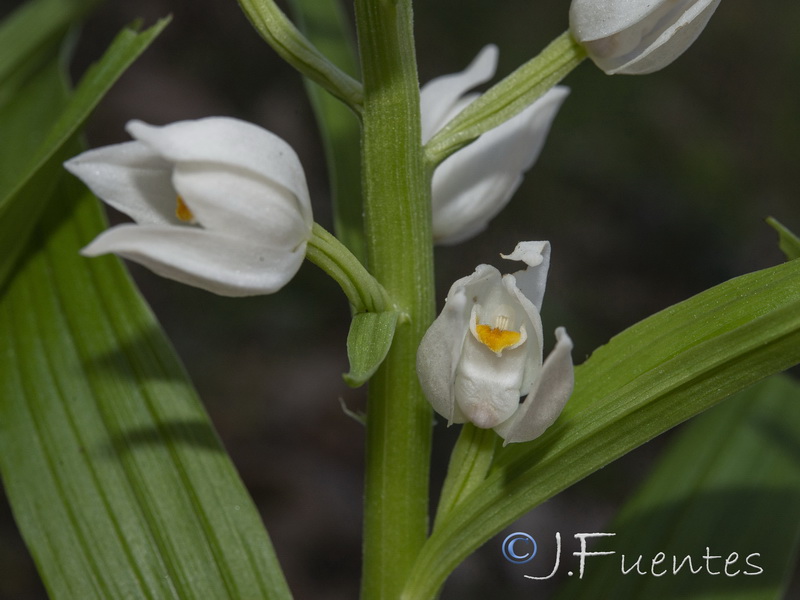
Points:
(495, 338)
(182, 211)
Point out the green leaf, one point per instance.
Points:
(28, 35)
(368, 343)
(788, 242)
(731, 483)
(22, 202)
(325, 24)
(24, 123)
(114, 473)
(646, 380)
(117, 480)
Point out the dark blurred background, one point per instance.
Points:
(650, 190)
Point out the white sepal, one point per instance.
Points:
(481, 359)
(242, 187)
(547, 397)
(636, 37)
(473, 185)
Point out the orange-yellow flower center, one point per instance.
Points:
(496, 338)
(182, 211)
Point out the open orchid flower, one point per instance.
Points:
(218, 203)
(636, 37)
(481, 359)
(474, 184)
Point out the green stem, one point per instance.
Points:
(469, 463)
(397, 222)
(279, 32)
(508, 97)
(333, 257)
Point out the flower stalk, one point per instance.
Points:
(362, 290)
(397, 211)
(469, 463)
(280, 33)
(508, 97)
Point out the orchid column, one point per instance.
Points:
(397, 220)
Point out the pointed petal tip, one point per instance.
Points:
(488, 55)
(531, 253)
(562, 337)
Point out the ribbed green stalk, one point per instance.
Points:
(469, 464)
(397, 221)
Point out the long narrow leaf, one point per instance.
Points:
(730, 483)
(324, 23)
(22, 202)
(649, 378)
(114, 473)
(116, 478)
(32, 28)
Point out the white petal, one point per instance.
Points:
(487, 386)
(242, 205)
(440, 349)
(529, 316)
(533, 279)
(231, 142)
(547, 398)
(131, 178)
(638, 36)
(440, 97)
(473, 185)
(220, 263)
(659, 51)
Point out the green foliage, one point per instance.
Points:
(29, 35)
(115, 475)
(731, 483)
(368, 343)
(656, 374)
(22, 202)
(789, 243)
(323, 22)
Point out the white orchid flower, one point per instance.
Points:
(218, 203)
(635, 37)
(474, 184)
(481, 359)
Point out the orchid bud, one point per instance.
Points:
(218, 203)
(635, 37)
(472, 185)
(481, 359)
